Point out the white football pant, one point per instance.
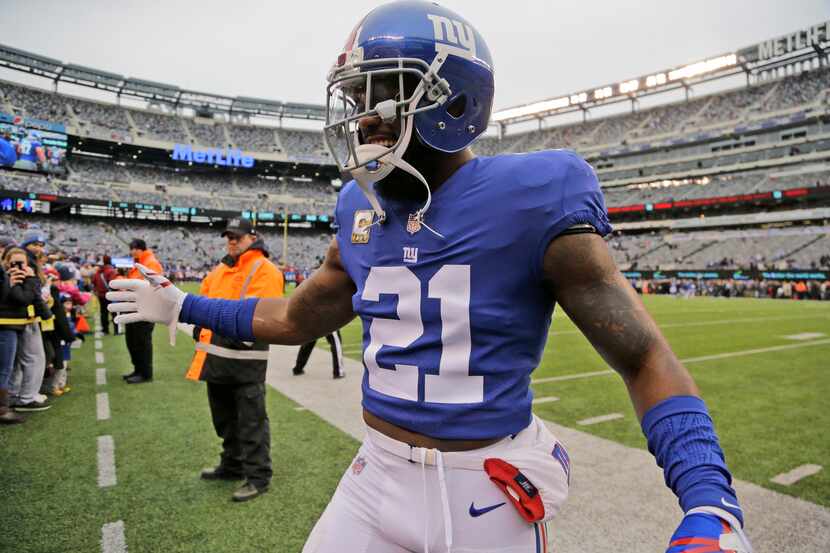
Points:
(397, 499)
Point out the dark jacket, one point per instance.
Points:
(62, 330)
(23, 304)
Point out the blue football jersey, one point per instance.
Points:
(28, 150)
(454, 326)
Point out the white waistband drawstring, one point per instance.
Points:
(426, 510)
(445, 501)
(445, 498)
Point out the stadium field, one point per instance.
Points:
(766, 392)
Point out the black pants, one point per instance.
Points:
(140, 344)
(240, 419)
(104, 315)
(336, 345)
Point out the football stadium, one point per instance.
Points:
(715, 174)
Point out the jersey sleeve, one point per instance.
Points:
(572, 197)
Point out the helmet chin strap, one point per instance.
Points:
(384, 164)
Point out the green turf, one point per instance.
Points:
(769, 409)
(163, 438)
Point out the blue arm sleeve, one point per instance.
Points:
(230, 318)
(682, 438)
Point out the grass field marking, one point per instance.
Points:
(570, 376)
(112, 537)
(793, 476)
(707, 323)
(101, 377)
(548, 399)
(754, 351)
(102, 406)
(98, 334)
(805, 336)
(106, 462)
(599, 419)
(99, 344)
(99, 357)
(300, 409)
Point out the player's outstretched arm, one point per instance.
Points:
(586, 283)
(320, 306)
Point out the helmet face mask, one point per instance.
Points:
(389, 90)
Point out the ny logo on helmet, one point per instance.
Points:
(460, 36)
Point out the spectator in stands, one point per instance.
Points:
(30, 362)
(100, 283)
(234, 370)
(140, 335)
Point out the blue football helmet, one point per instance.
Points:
(441, 74)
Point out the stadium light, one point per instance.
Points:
(602, 93)
(629, 86)
(529, 109)
(702, 67)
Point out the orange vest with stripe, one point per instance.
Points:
(223, 360)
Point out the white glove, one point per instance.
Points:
(154, 300)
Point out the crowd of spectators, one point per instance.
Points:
(736, 288)
(749, 249)
(42, 297)
(707, 111)
(731, 184)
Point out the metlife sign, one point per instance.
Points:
(211, 156)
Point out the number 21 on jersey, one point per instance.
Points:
(450, 285)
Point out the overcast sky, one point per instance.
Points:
(282, 50)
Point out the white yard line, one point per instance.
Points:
(112, 538)
(106, 462)
(98, 334)
(549, 399)
(754, 351)
(599, 419)
(102, 403)
(708, 323)
(805, 336)
(689, 360)
(99, 357)
(793, 476)
(99, 344)
(300, 409)
(100, 377)
(570, 376)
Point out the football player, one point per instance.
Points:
(454, 264)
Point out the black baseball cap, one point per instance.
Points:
(138, 244)
(239, 226)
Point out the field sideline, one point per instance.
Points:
(768, 408)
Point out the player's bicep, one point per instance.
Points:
(321, 305)
(587, 284)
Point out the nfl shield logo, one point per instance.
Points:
(413, 224)
(358, 465)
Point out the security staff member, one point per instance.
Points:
(140, 335)
(234, 370)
